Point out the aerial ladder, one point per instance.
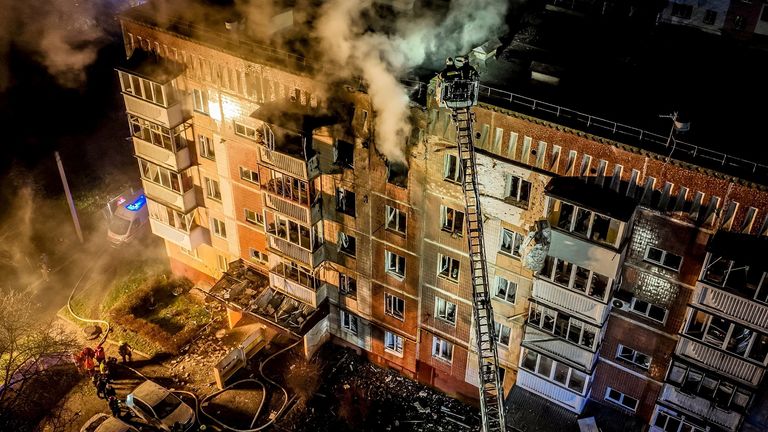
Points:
(457, 90)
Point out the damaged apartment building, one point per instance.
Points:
(269, 191)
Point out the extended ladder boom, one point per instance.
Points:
(491, 391)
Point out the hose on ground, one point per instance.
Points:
(286, 401)
(83, 319)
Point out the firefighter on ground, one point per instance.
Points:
(114, 406)
(125, 350)
(99, 354)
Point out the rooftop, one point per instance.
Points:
(248, 290)
(151, 67)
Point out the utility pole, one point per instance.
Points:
(70, 201)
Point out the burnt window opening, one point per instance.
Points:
(397, 174)
(347, 285)
(344, 154)
(347, 244)
(345, 201)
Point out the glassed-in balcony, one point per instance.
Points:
(580, 305)
(149, 89)
(730, 420)
(294, 240)
(173, 189)
(176, 227)
(161, 145)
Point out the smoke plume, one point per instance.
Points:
(63, 35)
(381, 58)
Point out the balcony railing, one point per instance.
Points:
(558, 348)
(550, 391)
(169, 117)
(177, 161)
(182, 201)
(188, 240)
(299, 168)
(583, 306)
(297, 253)
(733, 305)
(701, 407)
(720, 361)
(305, 215)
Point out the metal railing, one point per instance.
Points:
(660, 144)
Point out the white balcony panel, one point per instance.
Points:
(174, 161)
(701, 407)
(296, 252)
(184, 202)
(733, 305)
(550, 391)
(188, 240)
(584, 307)
(169, 117)
(305, 215)
(720, 361)
(298, 291)
(293, 166)
(558, 348)
(586, 254)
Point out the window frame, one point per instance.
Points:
(550, 376)
(499, 334)
(454, 177)
(345, 281)
(245, 131)
(646, 314)
(201, 97)
(515, 244)
(448, 268)
(394, 264)
(441, 347)
(218, 227)
(621, 400)
(633, 356)
(555, 206)
(248, 175)
(662, 259)
(448, 224)
(392, 214)
(505, 297)
(212, 189)
(347, 244)
(342, 202)
(551, 265)
(513, 194)
(443, 310)
(258, 218)
(539, 316)
(206, 147)
(394, 306)
(397, 345)
(347, 320)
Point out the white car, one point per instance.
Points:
(158, 406)
(129, 220)
(106, 423)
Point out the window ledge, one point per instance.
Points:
(453, 233)
(447, 278)
(442, 360)
(443, 320)
(393, 352)
(395, 316)
(396, 275)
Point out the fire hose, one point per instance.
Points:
(83, 319)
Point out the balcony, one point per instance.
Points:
(720, 361)
(701, 407)
(296, 167)
(584, 253)
(558, 348)
(182, 201)
(287, 283)
(188, 240)
(169, 117)
(305, 215)
(583, 306)
(733, 305)
(297, 253)
(555, 393)
(175, 161)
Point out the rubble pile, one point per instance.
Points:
(380, 399)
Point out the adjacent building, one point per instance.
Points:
(265, 182)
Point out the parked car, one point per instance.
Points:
(158, 406)
(106, 423)
(129, 220)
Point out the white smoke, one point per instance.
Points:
(381, 59)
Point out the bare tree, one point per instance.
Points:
(34, 353)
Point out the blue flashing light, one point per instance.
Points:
(137, 204)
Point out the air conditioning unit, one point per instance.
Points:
(620, 304)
